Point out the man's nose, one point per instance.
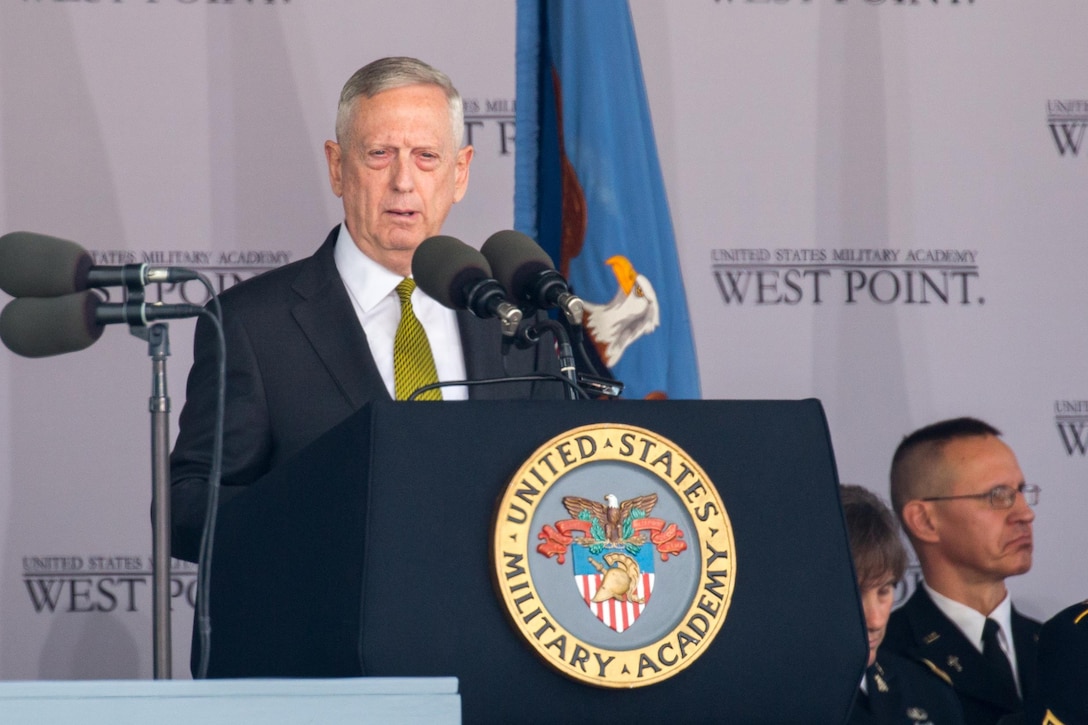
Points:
(403, 178)
(1021, 511)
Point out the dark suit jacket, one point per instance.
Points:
(298, 363)
(903, 692)
(920, 631)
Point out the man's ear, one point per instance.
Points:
(919, 521)
(462, 162)
(332, 156)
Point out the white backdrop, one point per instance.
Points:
(871, 204)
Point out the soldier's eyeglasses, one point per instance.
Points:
(1000, 497)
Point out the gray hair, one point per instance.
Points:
(389, 73)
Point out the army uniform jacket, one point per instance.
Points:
(1062, 695)
(920, 631)
(902, 692)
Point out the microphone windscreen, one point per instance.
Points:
(37, 265)
(44, 326)
(515, 259)
(446, 268)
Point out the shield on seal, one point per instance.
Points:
(616, 583)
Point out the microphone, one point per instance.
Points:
(44, 326)
(38, 265)
(460, 277)
(527, 271)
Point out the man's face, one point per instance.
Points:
(877, 602)
(398, 172)
(984, 544)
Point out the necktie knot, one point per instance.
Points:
(404, 291)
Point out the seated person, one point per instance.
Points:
(965, 507)
(1062, 697)
(893, 689)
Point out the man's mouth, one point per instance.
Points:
(1021, 542)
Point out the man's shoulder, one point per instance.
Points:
(916, 623)
(1025, 621)
(285, 283)
(1069, 624)
(907, 668)
(918, 605)
(923, 681)
(1063, 667)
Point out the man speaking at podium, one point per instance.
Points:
(310, 343)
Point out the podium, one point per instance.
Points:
(368, 555)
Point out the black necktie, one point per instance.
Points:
(991, 650)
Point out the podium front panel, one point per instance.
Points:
(383, 543)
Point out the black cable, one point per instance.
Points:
(492, 381)
(207, 537)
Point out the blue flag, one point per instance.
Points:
(589, 189)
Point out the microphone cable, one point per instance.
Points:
(531, 378)
(215, 474)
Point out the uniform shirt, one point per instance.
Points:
(971, 623)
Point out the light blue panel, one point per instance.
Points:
(402, 701)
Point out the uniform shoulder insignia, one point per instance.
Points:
(1051, 719)
(937, 671)
(917, 714)
(931, 638)
(1082, 617)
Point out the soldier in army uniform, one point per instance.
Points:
(893, 689)
(1062, 697)
(963, 502)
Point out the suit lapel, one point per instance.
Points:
(326, 317)
(942, 644)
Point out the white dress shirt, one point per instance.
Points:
(372, 289)
(971, 623)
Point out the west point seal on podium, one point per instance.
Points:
(614, 556)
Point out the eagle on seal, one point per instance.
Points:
(611, 514)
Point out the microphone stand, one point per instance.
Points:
(158, 349)
(567, 366)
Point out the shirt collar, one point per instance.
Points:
(971, 621)
(367, 282)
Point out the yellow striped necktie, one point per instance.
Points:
(413, 363)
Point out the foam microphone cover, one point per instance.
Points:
(516, 260)
(44, 326)
(446, 269)
(37, 265)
